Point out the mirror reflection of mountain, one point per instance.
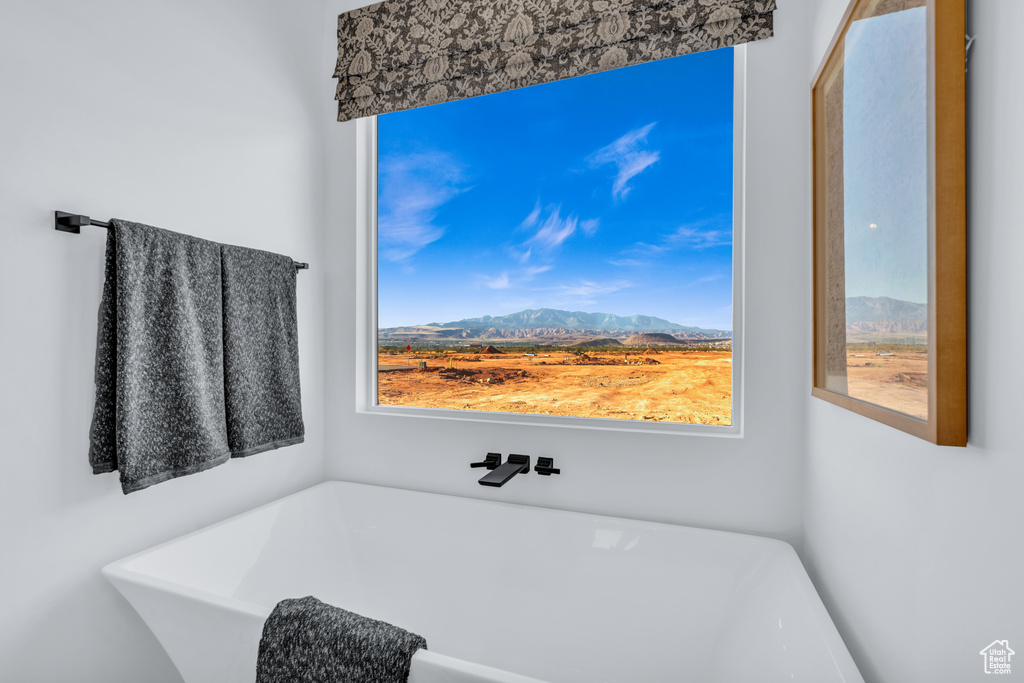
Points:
(885, 319)
(554, 325)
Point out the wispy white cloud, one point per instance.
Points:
(402, 236)
(585, 288)
(550, 231)
(413, 188)
(517, 254)
(554, 230)
(695, 236)
(582, 292)
(704, 280)
(512, 279)
(630, 155)
(574, 295)
(534, 271)
(647, 249)
(531, 219)
(500, 282)
(628, 262)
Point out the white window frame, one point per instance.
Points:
(366, 297)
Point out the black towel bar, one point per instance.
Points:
(73, 222)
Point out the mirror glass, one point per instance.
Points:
(878, 210)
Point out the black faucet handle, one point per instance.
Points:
(523, 460)
(492, 461)
(546, 467)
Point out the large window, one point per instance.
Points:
(565, 250)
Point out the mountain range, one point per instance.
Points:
(575, 320)
(877, 317)
(551, 324)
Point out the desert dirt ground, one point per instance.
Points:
(692, 387)
(898, 381)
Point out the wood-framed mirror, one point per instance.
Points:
(889, 154)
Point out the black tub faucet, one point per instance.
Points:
(517, 464)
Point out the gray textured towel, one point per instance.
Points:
(307, 641)
(261, 351)
(160, 359)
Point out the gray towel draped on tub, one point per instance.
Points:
(183, 382)
(307, 641)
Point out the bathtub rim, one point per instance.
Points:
(116, 567)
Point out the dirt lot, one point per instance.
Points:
(670, 386)
(898, 381)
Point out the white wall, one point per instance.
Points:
(194, 115)
(915, 548)
(750, 484)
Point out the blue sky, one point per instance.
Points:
(885, 156)
(610, 192)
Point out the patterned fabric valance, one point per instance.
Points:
(401, 54)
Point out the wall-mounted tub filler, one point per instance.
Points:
(517, 464)
(585, 598)
(500, 475)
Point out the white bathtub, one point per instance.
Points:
(502, 593)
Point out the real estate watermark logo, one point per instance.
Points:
(997, 657)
